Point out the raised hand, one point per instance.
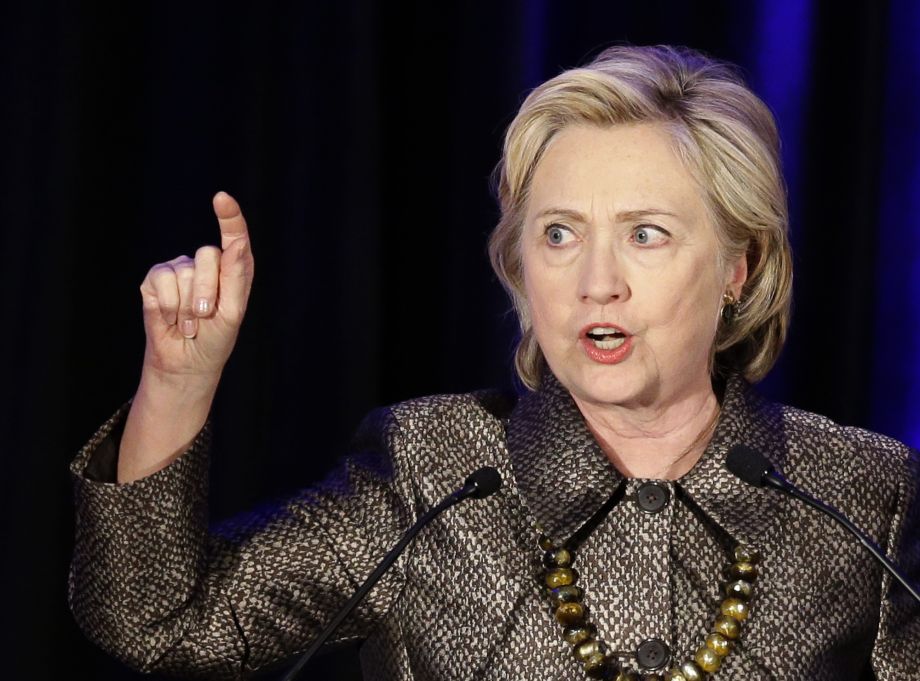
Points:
(193, 309)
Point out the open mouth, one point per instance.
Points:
(606, 337)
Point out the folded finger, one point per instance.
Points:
(161, 293)
(205, 281)
(185, 277)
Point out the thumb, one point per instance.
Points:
(230, 219)
(236, 272)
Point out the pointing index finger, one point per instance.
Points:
(230, 218)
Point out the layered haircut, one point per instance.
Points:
(727, 139)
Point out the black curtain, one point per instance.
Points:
(359, 137)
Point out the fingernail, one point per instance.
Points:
(188, 328)
(202, 306)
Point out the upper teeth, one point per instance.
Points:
(602, 331)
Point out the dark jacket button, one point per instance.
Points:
(653, 654)
(652, 497)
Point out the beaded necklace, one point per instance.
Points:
(597, 659)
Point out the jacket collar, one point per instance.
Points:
(564, 477)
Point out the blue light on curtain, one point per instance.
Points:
(896, 390)
(780, 74)
(533, 41)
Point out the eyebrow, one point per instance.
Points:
(622, 216)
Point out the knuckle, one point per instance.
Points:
(168, 305)
(185, 273)
(160, 273)
(206, 275)
(158, 270)
(208, 251)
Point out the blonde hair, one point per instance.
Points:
(726, 137)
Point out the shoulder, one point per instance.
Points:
(485, 405)
(848, 450)
(434, 422)
(442, 438)
(439, 422)
(437, 412)
(869, 476)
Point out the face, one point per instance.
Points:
(621, 267)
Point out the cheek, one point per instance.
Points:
(544, 295)
(537, 283)
(534, 295)
(686, 309)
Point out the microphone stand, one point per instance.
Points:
(753, 468)
(481, 483)
(776, 481)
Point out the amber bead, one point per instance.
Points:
(566, 594)
(734, 607)
(739, 589)
(557, 558)
(745, 571)
(707, 660)
(729, 627)
(596, 666)
(674, 674)
(746, 554)
(624, 675)
(546, 543)
(560, 577)
(579, 633)
(583, 651)
(718, 644)
(569, 614)
(691, 671)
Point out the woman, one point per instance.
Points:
(643, 241)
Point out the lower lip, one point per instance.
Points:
(600, 356)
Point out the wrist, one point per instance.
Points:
(166, 414)
(176, 389)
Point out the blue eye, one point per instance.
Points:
(557, 235)
(646, 235)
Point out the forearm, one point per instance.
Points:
(150, 585)
(138, 552)
(166, 415)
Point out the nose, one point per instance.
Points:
(601, 279)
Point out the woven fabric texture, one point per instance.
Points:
(152, 585)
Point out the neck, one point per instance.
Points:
(659, 441)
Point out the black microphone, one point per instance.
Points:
(478, 485)
(752, 467)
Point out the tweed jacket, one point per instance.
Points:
(151, 584)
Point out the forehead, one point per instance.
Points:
(621, 167)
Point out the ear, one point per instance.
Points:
(738, 273)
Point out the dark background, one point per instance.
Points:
(359, 137)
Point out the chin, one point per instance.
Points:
(611, 385)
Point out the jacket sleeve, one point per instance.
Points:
(150, 584)
(896, 654)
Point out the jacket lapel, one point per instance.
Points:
(560, 470)
(749, 514)
(564, 477)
